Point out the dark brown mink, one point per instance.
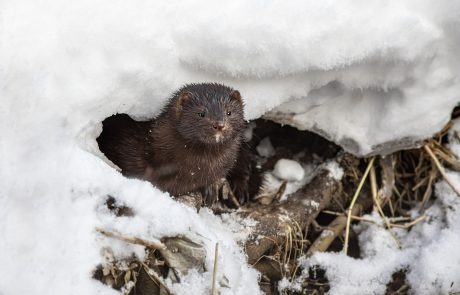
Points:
(191, 144)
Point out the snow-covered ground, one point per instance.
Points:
(429, 250)
(66, 65)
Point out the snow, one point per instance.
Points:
(289, 170)
(429, 253)
(272, 183)
(67, 65)
(334, 169)
(265, 148)
(297, 176)
(429, 250)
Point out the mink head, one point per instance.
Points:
(208, 113)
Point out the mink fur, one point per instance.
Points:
(191, 144)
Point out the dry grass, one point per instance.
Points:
(399, 183)
(353, 201)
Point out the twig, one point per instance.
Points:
(379, 208)
(287, 248)
(354, 217)
(388, 176)
(399, 219)
(427, 193)
(280, 192)
(392, 210)
(156, 279)
(131, 239)
(214, 272)
(300, 232)
(232, 196)
(234, 200)
(447, 156)
(419, 184)
(409, 224)
(454, 163)
(302, 241)
(334, 229)
(440, 168)
(353, 201)
(401, 290)
(399, 200)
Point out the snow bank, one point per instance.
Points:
(66, 65)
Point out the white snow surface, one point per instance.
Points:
(289, 170)
(67, 65)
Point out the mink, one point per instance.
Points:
(193, 142)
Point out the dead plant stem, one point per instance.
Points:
(214, 272)
(353, 201)
(377, 202)
(131, 239)
(440, 168)
(156, 279)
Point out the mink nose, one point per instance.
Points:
(219, 126)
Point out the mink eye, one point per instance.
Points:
(229, 113)
(200, 114)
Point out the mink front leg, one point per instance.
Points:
(210, 195)
(243, 177)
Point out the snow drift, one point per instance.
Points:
(364, 73)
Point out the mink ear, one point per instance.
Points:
(184, 97)
(236, 96)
